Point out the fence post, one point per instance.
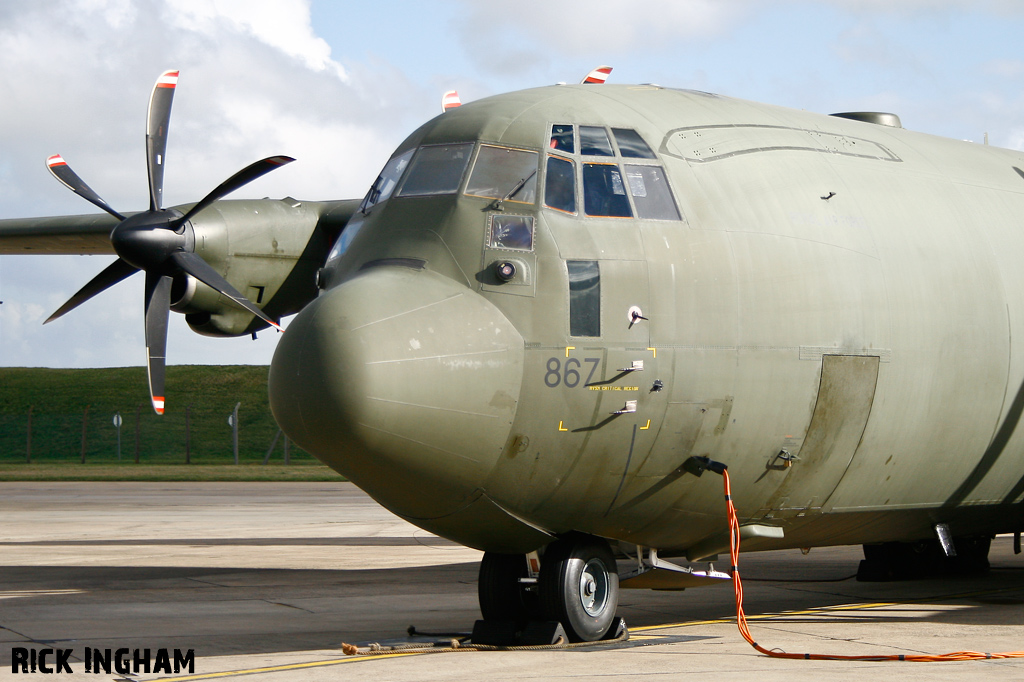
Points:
(28, 445)
(234, 429)
(117, 425)
(286, 449)
(188, 434)
(85, 422)
(273, 444)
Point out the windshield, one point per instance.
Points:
(436, 170)
(504, 173)
(385, 183)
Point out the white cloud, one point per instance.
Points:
(281, 25)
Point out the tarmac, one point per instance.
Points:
(264, 581)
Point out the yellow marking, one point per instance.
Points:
(644, 428)
(569, 348)
(614, 388)
(15, 594)
(293, 666)
(820, 610)
(638, 637)
(654, 350)
(560, 427)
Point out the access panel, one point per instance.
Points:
(837, 424)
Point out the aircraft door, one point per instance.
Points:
(598, 424)
(629, 383)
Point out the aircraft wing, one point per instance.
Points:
(59, 235)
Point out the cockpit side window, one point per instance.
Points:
(604, 193)
(651, 194)
(436, 169)
(504, 173)
(562, 138)
(584, 297)
(594, 141)
(631, 145)
(560, 185)
(386, 182)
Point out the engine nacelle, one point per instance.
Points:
(268, 250)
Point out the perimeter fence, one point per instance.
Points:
(73, 415)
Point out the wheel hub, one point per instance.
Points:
(594, 587)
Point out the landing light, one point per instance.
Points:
(505, 270)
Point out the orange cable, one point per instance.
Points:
(741, 618)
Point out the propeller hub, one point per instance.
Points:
(146, 240)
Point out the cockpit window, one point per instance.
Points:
(631, 145)
(604, 193)
(504, 173)
(608, 184)
(651, 194)
(562, 139)
(560, 185)
(594, 141)
(385, 183)
(436, 170)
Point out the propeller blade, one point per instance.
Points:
(450, 100)
(201, 270)
(598, 76)
(158, 306)
(239, 179)
(60, 169)
(111, 275)
(156, 135)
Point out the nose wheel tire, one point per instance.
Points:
(579, 586)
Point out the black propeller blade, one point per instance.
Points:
(60, 169)
(156, 135)
(201, 270)
(156, 241)
(239, 179)
(111, 275)
(158, 308)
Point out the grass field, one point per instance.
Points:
(50, 419)
(74, 471)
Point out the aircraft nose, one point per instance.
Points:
(405, 382)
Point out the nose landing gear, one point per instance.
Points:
(578, 586)
(505, 589)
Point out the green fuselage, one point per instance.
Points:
(828, 306)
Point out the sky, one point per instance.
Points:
(339, 84)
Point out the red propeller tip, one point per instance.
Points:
(168, 79)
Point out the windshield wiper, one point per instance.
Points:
(370, 200)
(515, 190)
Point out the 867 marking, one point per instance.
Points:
(570, 375)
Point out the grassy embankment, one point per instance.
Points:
(61, 400)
